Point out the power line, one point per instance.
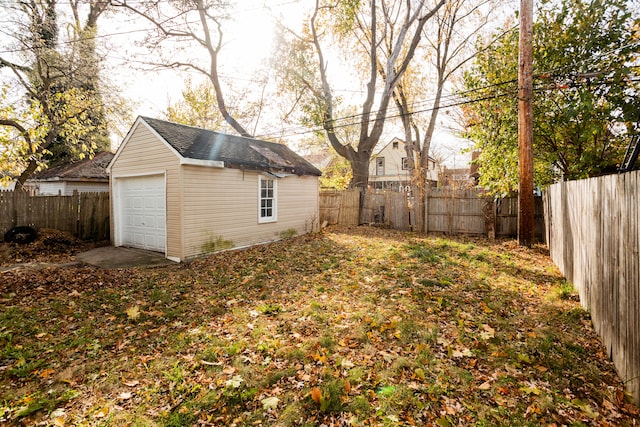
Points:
(446, 106)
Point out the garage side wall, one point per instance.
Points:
(221, 209)
(145, 154)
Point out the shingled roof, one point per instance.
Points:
(93, 169)
(235, 151)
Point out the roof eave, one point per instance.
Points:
(199, 162)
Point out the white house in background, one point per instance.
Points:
(185, 191)
(85, 176)
(388, 169)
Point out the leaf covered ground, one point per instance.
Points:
(352, 326)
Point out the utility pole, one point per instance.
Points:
(525, 126)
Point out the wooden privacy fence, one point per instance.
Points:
(340, 207)
(85, 215)
(446, 211)
(594, 239)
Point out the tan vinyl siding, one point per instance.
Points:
(298, 203)
(221, 205)
(145, 153)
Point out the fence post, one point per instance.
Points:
(425, 225)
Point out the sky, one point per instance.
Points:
(250, 32)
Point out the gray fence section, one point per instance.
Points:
(446, 211)
(594, 239)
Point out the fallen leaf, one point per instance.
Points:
(125, 395)
(316, 395)
(102, 412)
(465, 352)
(485, 386)
(46, 373)
(530, 390)
(133, 312)
(234, 382)
(269, 403)
(347, 364)
(488, 332)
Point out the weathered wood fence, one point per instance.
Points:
(85, 215)
(446, 211)
(594, 238)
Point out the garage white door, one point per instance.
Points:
(142, 212)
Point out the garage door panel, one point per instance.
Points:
(143, 212)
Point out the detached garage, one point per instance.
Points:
(185, 191)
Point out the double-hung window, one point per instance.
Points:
(380, 166)
(267, 200)
(405, 163)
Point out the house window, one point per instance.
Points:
(405, 163)
(380, 166)
(267, 207)
(395, 144)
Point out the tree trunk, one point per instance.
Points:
(360, 167)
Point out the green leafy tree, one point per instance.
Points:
(54, 110)
(196, 108)
(337, 175)
(586, 94)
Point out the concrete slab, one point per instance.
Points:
(120, 257)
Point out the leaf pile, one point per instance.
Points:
(51, 246)
(353, 326)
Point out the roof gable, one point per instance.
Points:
(388, 147)
(235, 151)
(86, 169)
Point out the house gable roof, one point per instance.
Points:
(93, 169)
(400, 141)
(235, 151)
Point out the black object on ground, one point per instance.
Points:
(22, 234)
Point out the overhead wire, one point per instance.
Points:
(451, 100)
(457, 103)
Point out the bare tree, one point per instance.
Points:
(189, 26)
(450, 45)
(361, 28)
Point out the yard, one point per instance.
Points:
(352, 326)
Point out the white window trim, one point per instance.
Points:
(274, 217)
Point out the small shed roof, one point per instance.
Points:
(94, 169)
(235, 151)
